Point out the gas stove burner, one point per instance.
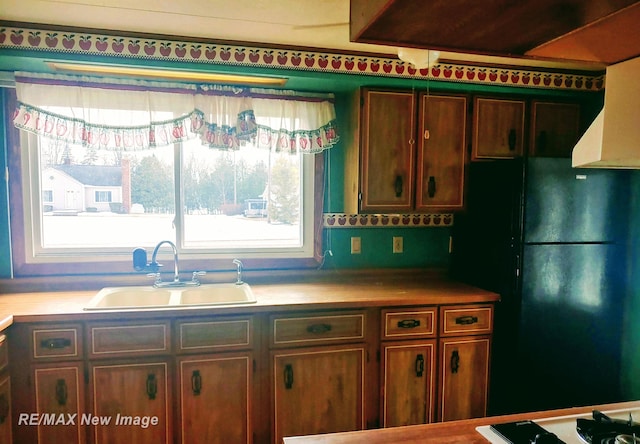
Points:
(604, 430)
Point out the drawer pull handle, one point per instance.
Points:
(319, 328)
(419, 365)
(455, 361)
(409, 323)
(466, 320)
(4, 408)
(196, 382)
(397, 185)
(54, 343)
(152, 386)
(61, 391)
(288, 376)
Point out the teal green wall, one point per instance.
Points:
(423, 247)
(5, 245)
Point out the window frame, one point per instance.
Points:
(22, 267)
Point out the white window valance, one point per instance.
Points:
(134, 115)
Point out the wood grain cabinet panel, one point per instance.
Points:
(136, 398)
(318, 390)
(55, 343)
(113, 340)
(215, 398)
(555, 128)
(59, 393)
(408, 386)
(442, 152)
(464, 376)
(498, 130)
(214, 335)
(317, 329)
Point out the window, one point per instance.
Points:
(103, 196)
(202, 199)
(228, 174)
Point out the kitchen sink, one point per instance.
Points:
(122, 298)
(215, 294)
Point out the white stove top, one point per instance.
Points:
(563, 426)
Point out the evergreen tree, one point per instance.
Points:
(284, 198)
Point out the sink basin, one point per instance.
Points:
(130, 297)
(122, 298)
(215, 294)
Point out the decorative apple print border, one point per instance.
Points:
(207, 52)
(338, 220)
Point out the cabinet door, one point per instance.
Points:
(554, 129)
(5, 409)
(132, 400)
(498, 128)
(318, 390)
(215, 404)
(59, 393)
(441, 152)
(409, 383)
(464, 375)
(388, 127)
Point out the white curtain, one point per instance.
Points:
(133, 115)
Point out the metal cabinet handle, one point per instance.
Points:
(54, 343)
(419, 365)
(455, 361)
(398, 185)
(288, 376)
(409, 323)
(319, 328)
(152, 386)
(541, 142)
(512, 139)
(196, 382)
(466, 320)
(431, 186)
(61, 391)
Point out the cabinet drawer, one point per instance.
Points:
(108, 340)
(409, 323)
(4, 352)
(467, 320)
(329, 328)
(207, 334)
(56, 343)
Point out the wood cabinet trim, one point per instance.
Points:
(389, 314)
(431, 346)
(358, 336)
(244, 341)
(161, 346)
(70, 334)
(4, 352)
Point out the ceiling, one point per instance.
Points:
(316, 24)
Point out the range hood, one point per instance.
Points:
(613, 139)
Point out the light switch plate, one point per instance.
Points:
(355, 245)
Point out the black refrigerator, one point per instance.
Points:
(551, 240)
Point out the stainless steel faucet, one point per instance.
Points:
(155, 267)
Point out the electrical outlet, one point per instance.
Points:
(355, 245)
(397, 244)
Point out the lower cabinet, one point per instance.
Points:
(409, 383)
(6, 435)
(131, 402)
(215, 405)
(59, 393)
(318, 390)
(244, 378)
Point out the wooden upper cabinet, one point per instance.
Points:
(441, 152)
(555, 129)
(388, 127)
(498, 130)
